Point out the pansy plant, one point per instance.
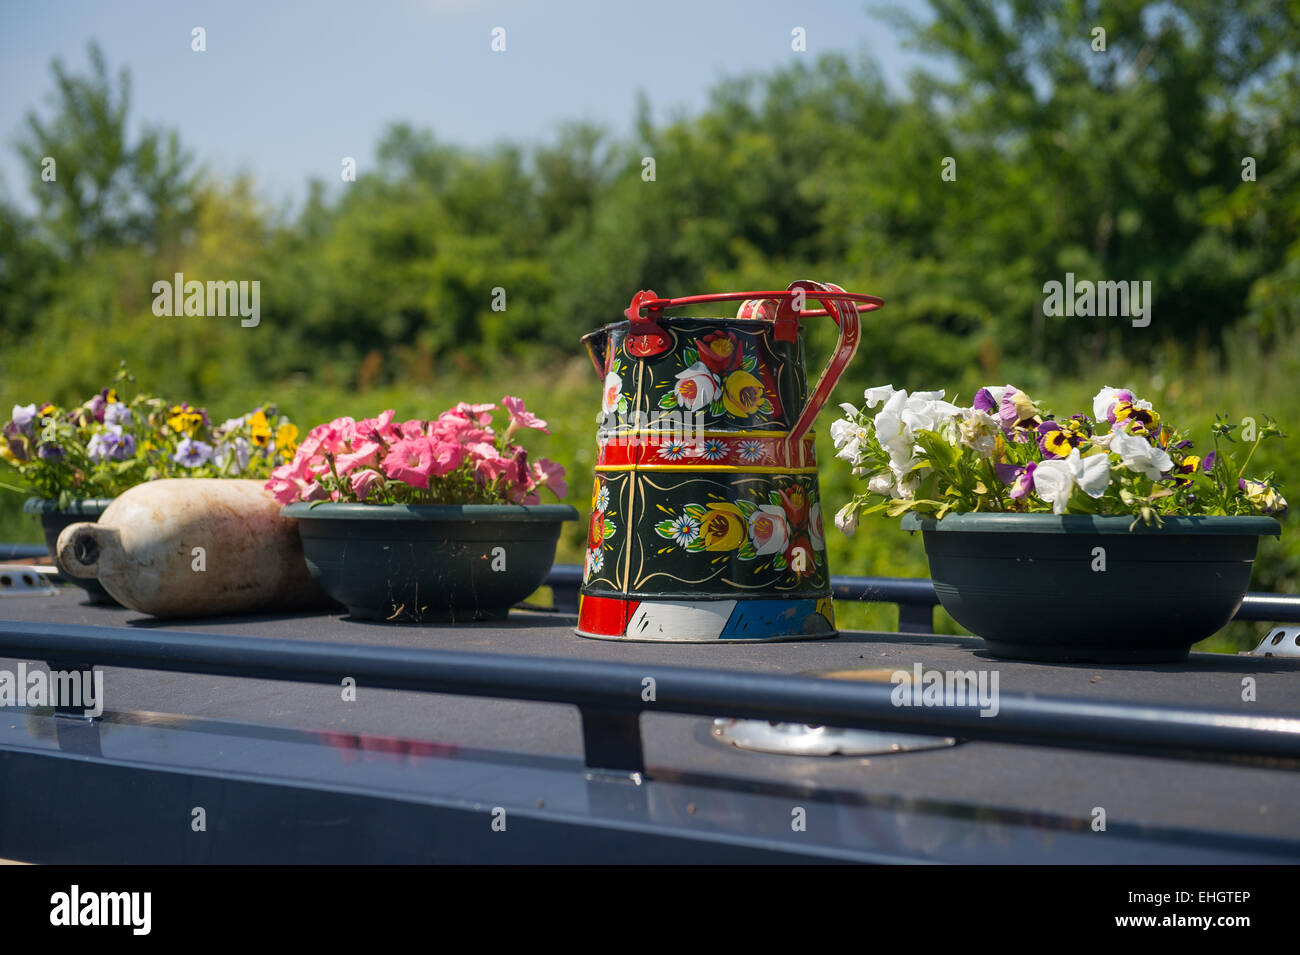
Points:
(110, 443)
(1005, 453)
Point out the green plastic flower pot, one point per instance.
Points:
(432, 563)
(1083, 588)
(54, 519)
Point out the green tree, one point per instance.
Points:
(107, 190)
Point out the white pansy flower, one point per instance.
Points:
(891, 430)
(842, 431)
(979, 430)
(1104, 399)
(908, 486)
(882, 483)
(924, 413)
(1056, 480)
(23, 415)
(1101, 403)
(1140, 455)
(855, 438)
(878, 394)
(846, 518)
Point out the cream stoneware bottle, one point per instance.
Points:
(194, 547)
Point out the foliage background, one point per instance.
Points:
(1121, 165)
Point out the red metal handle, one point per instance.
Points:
(864, 303)
(837, 302)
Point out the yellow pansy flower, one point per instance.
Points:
(286, 438)
(259, 428)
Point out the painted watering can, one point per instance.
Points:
(706, 519)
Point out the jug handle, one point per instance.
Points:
(845, 314)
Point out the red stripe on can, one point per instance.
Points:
(739, 452)
(606, 616)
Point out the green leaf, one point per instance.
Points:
(664, 529)
(669, 400)
(750, 363)
(696, 511)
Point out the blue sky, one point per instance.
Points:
(285, 90)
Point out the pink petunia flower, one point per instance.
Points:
(549, 474)
(380, 428)
(479, 414)
(411, 429)
(365, 453)
(521, 417)
(453, 426)
(521, 475)
(284, 484)
(364, 481)
(313, 492)
(410, 461)
(337, 435)
(447, 456)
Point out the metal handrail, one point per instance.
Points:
(916, 599)
(914, 596)
(612, 696)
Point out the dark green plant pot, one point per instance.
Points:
(430, 563)
(1076, 587)
(54, 520)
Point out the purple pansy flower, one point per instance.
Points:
(192, 453)
(1019, 476)
(117, 413)
(110, 443)
(987, 399)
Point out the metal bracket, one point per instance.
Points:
(18, 580)
(1279, 642)
(611, 740)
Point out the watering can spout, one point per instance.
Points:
(595, 343)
